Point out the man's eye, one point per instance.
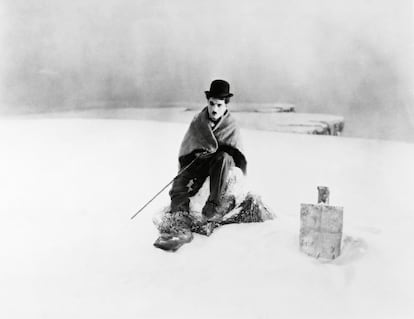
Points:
(211, 103)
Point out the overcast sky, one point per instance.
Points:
(331, 56)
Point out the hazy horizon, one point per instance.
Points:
(348, 58)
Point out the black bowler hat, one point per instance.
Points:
(219, 89)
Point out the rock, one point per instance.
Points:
(251, 210)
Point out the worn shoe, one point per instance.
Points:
(175, 231)
(212, 212)
(209, 210)
(215, 212)
(171, 242)
(175, 221)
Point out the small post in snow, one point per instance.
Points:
(323, 195)
(321, 227)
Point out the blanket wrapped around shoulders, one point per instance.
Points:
(200, 138)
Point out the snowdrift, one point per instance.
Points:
(69, 250)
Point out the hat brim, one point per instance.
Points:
(218, 96)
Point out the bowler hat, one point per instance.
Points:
(219, 89)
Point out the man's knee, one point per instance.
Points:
(222, 156)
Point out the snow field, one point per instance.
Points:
(69, 249)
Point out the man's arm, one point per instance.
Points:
(238, 157)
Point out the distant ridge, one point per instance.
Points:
(256, 107)
(250, 118)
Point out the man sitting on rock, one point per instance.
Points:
(211, 146)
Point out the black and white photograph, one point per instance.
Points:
(206, 159)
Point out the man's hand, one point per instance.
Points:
(205, 155)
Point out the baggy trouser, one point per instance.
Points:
(189, 182)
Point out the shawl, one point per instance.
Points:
(200, 137)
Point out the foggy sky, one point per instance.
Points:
(352, 58)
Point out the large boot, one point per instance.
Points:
(215, 212)
(175, 231)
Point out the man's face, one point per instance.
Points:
(216, 108)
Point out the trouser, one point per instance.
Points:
(189, 182)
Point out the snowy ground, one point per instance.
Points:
(68, 188)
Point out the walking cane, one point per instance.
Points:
(156, 195)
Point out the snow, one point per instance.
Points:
(255, 116)
(68, 188)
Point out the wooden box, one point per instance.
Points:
(321, 230)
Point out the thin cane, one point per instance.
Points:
(156, 195)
